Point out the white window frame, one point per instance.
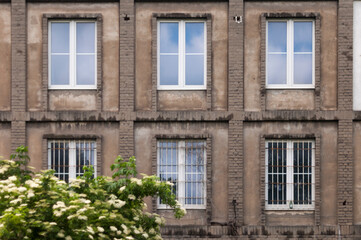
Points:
(289, 178)
(181, 175)
(181, 57)
(72, 155)
(72, 56)
(356, 56)
(290, 55)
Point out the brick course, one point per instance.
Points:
(126, 54)
(18, 71)
(345, 140)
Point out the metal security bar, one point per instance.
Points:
(194, 170)
(183, 164)
(290, 173)
(168, 163)
(68, 158)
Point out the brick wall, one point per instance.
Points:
(345, 172)
(235, 117)
(126, 139)
(345, 33)
(18, 52)
(126, 54)
(235, 56)
(345, 140)
(18, 72)
(235, 172)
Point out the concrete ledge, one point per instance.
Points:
(257, 232)
(179, 116)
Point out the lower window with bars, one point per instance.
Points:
(290, 174)
(68, 157)
(184, 163)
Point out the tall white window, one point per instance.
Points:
(184, 163)
(290, 54)
(181, 55)
(290, 174)
(72, 55)
(68, 158)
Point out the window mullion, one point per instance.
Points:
(289, 171)
(71, 54)
(205, 173)
(313, 172)
(181, 40)
(49, 54)
(49, 154)
(72, 160)
(158, 54)
(290, 53)
(181, 176)
(74, 53)
(205, 54)
(313, 53)
(266, 173)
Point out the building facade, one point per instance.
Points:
(251, 107)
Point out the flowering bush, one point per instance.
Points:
(40, 206)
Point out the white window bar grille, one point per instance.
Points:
(183, 163)
(68, 158)
(290, 174)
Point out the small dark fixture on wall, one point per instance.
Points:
(238, 19)
(126, 18)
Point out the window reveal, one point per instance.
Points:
(290, 174)
(68, 158)
(290, 54)
(183, 163)
(181, 55)
(72, 55)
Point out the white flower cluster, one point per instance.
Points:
(137, 181)
(69, 212)
(178, 205)
(114, 201)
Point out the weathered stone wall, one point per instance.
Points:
(126, 112)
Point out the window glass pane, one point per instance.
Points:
(277, 187)
(277, 37)
(79, 155)
(302, 175)
(92, 155)
(168, 70)
(303, 69)
(85, 151)
(168, 163)
(168, 37)
(67, 157)
(276, 69)
(303, 36)
(269, 161)
(85, 70)
(59, 159)
(200, 192)
(194, 37)
(59, 37)
(270, 189)
(194, 172)
(85, 37)
(59, 69)
(194, 70)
